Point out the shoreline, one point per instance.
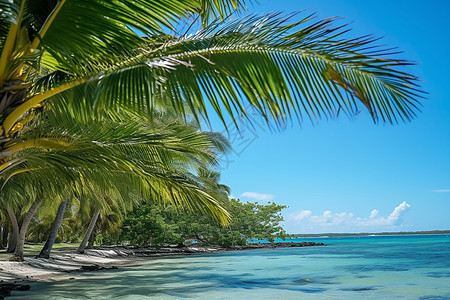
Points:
(67, 264)
(367, 234)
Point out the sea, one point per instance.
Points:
(366, 267)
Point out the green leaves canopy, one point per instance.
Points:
(281, 65)
(152, 225)
(282, 68)
(154, 160)
(73, 32)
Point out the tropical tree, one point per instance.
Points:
(115, 54)
(154, 225)
(45, 252)
(109, 158)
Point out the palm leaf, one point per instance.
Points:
(281, 68)
(135, 155)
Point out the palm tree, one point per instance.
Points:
(45, 251)
(53, 53)
(14, 232)
(126, 153)
(22, 196)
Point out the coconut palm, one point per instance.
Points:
(45, 251)
(124, 152)
(115, 54)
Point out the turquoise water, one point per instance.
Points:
(400, 267)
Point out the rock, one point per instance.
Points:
(96, 268)
(24, 287)
(7, 288)
(90, 268)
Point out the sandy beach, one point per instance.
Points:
(66, 263)
(60, 266)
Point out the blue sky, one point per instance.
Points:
(354, 176)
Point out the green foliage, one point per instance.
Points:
(146, 225)
(150, 224)
(249, 221)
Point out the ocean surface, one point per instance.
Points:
(373, 267)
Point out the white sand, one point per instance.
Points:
(64, 261)
(57, 267)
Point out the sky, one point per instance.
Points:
(346, 175)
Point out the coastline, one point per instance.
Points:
(364, 234)
(67, 264)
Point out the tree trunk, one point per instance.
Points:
(9, 100)
(5, 235)
(88, 232)
(18, 252)
(45, 252)
(92, 239)
(15, 231)
(2, 234)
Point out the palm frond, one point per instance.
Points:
(282, 68)
(211, 10)
(124, 150)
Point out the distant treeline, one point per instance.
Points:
(376, 234)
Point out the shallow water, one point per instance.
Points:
(400, 267)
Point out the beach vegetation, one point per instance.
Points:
(158, 226)
(109, 162)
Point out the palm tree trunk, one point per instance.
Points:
(88, 232)
(92, 239)
(45, 252)
(2, 234)
(15, 231)
(18, 252)
(6, 230)
(7, 236)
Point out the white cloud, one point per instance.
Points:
(257, 196)
(373, 214)
(347, 220)
(304, 214)
(395, 217)
(442, 191)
